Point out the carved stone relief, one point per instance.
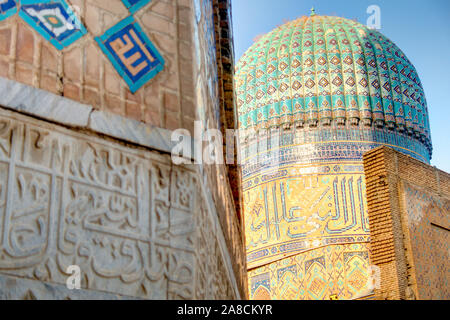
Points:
(135, 224)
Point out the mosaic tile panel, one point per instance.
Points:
(132, 53)
(7, 8)
(305, 211)
(283, 147)
(335, 272)
(54, 20)
(304, 191)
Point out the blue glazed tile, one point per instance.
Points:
(7, 8)
(134, 5)
(54, 20)
(132, 53)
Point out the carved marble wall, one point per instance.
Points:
(137, 225)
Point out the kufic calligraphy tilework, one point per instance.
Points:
(131, 52)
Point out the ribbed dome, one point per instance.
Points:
(322, 71)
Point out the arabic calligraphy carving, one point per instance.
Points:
(128, 218)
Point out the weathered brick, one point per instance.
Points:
(92, 19)
(114, 105)
(49, 58)
(172, 121)
(71, 91)
(4, 69)
(24, 74)
(93, 60)
(133, 111)
(25, 44)
(72, 64)
(152, 116)
(50, 83)
(92, 97)
(116, 7)
(156, 23)
(5, 41)
(166, 9)
(171, 102)
(393, 249)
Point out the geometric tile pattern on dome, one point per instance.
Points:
(54, 20)
(7, 8)
(318, 69)
(131, 52)
(134, 5)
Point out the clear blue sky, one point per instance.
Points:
(421, 28)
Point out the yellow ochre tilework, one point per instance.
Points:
(307, 234)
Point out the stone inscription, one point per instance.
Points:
(136, 225)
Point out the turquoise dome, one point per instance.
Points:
(329, 71)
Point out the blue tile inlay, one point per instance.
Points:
(7, 8)
(131, 52)
(135, 5)
(54, 20)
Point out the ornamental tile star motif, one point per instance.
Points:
(284, 87)
(350, 81)
(310, 84)
(323, 82)
(363, 82)
(348, 60)
(309, 63)
(321, 61)
(283, 66)
(335, 60)
(376, 84)
(337, 81)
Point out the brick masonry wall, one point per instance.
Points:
(215, 105)
(409, 216)
(83, 73)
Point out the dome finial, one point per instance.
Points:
(313, 12)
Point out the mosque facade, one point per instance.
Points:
(313, 96)
(332, 191)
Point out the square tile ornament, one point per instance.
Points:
(134, 5)
(7, 8)
(54, 20)
(131, 52)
